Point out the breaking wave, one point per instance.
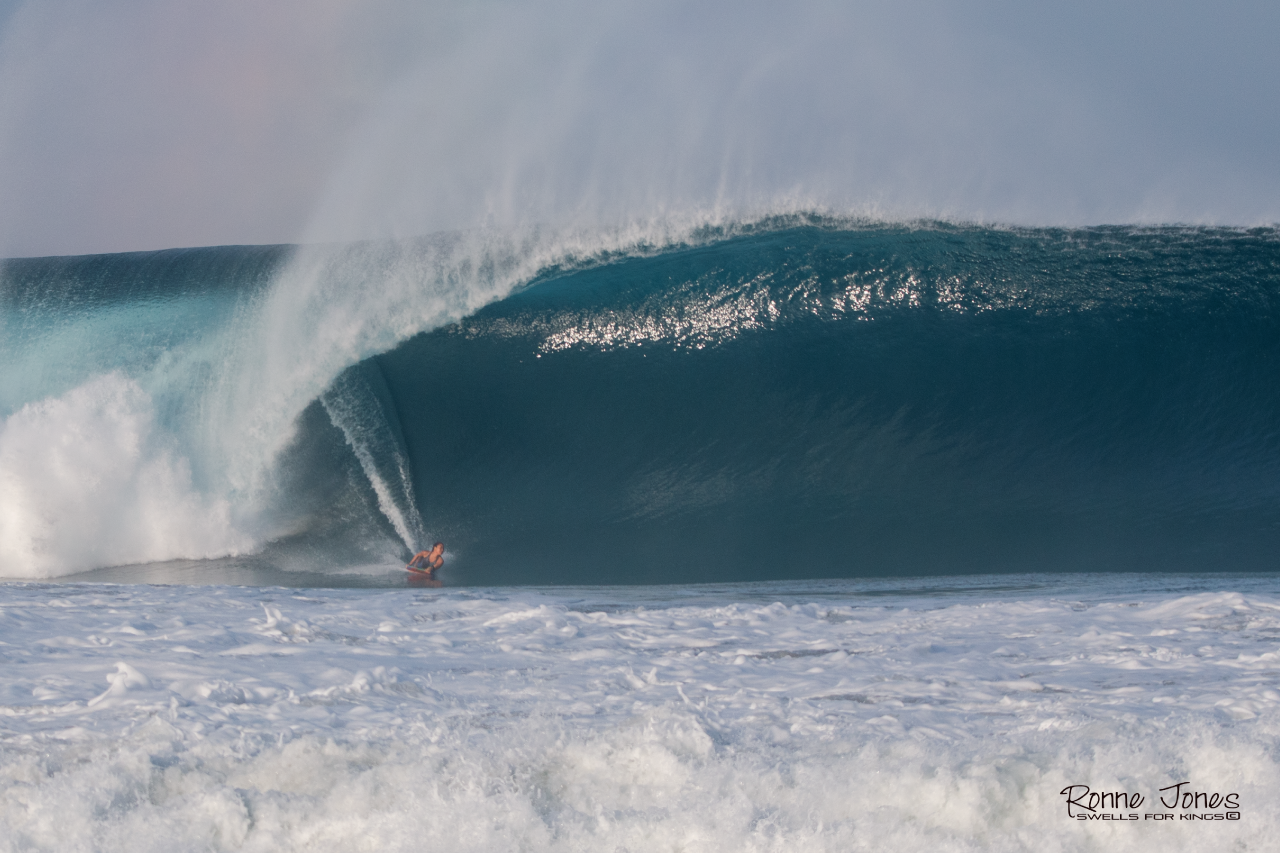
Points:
(796, 397)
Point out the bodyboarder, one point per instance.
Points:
(427, 562)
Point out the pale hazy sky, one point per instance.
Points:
(142, 124)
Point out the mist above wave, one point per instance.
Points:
(336, 121)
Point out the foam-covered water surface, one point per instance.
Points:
(941, 714)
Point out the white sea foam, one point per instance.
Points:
(86, 479)
(147, 718)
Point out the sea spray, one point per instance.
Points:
(357, 403)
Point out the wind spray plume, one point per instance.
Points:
(580, 116)
(583, 117)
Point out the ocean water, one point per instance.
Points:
(794, 534)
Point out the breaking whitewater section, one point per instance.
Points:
(654, 405)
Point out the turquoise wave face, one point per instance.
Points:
(818, 400)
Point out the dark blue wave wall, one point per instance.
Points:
(824, 402)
